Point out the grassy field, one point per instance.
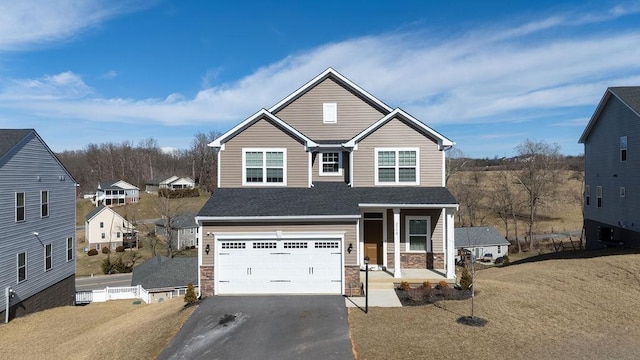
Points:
(111, 330)
(573, 308)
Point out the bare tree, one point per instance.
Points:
(455, 162)
(506, 203)
(467, 188)
(170, 209)
(538, 178)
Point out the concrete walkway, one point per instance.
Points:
(377, 298)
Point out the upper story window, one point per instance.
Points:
(20, 206)
(101, 224)
(397, 166)
(330, 113)
(599, 195)
(417, 233)
(331, 164)
(264, 166)
(44, 203)
(623, 148)
(587, 194)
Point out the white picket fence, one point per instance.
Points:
(121, 293)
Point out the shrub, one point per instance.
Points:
(92, 252)
(120, 248)
(465, 279)
(190, 296)
(443, 284)
(506, 260)
(107, 267)
(106, 250)
(404, 286)
(416, 294)
(116, 267)
(426, 285)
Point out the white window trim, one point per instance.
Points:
(397, 182)
(330, 113)
(626, 145)
(321, 162)
(69, 249)
(264, 166)
(26, 275)
(24, 206)
(50, 257)
(48, 204)
(406, 234)
(623, 191)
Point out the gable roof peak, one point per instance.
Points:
(628, 95)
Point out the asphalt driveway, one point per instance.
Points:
(264, 327)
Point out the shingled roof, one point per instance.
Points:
(628, 95)
(10, 138)
(478, 236)
(162, 272)
(323, 199)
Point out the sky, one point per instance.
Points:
(486, 74)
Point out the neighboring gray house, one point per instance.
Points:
(325, 178)
(37, 217)
(116, 193)
(172, 183)
(165, 277)
(185, 230)
(612, 170)
(481, 240)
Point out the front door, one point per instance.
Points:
(373, 240)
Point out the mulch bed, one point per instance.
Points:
(424, 296)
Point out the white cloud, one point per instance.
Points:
(111, 74)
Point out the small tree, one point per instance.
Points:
(190, 296)
(465, 279)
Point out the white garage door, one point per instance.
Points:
(279, 267)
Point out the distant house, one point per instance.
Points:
(611, 167)
(172, 183)
(116, 193)
(165, 277)
(37, 216)
(481, 240)
(104, 227)
(185, 230)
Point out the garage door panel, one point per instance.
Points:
(279, 267)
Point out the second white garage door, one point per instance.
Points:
(279, 267)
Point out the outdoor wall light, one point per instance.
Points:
(350, 248)
(207, 249)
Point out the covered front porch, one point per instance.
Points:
(414, 242)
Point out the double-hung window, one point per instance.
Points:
(48, 249)
(331, 164)
(599, 195)
(264, 166)
(44, 203)
(20, 206)
(69, 248)
(418, 233)
(623, 148)
(397, 166)
(587, 194)
(22, 266)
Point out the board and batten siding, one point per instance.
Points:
(30, 168)
(263, 134)
(397, 134)
(437, 228)
(603, 166)
(349, 229)
(305, 113)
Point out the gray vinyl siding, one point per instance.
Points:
(604, 168)
(263, 134)
(396, 133)
(348, 227)
(305, 113)
(437, 228)
(30, 168)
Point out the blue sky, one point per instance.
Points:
(488, 74)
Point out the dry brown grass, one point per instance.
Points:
(553, 309)
(111, 330)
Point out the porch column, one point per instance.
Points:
(396, 244)
(450, 246)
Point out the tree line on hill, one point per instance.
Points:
(141, 163)
(512, 190)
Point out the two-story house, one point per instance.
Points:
(116, 193)
(37, 216)
(184, 230)
(320, 181)
(612, 170)
(106, 228)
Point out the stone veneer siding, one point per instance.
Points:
(206, 281)
(417, 261)
(62, 293)
(352, 280)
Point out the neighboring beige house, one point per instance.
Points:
(116, 193)
(104, 227)
(320, 181)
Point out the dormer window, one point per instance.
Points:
(331, 164)
(330, 113)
